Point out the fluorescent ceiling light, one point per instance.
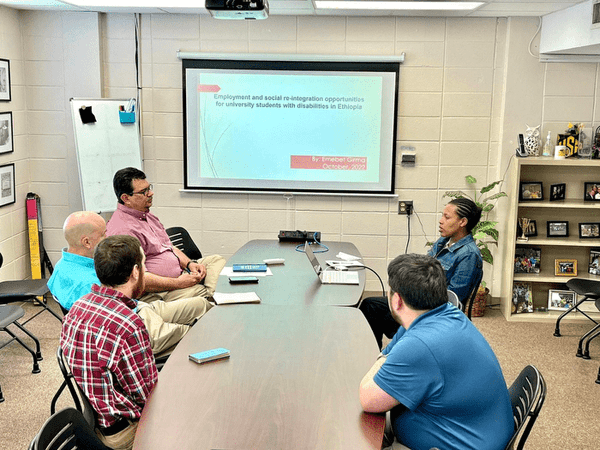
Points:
(138, 3)
(397, 5)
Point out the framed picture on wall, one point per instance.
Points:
(557, 229)
(558, 191)
(561, 300)
(591, 191)
(4, 80)
(522, 300)
(7, 184)
(531, 190)
(594, 267)
(565, 267)
(6, 133)
(589, 230)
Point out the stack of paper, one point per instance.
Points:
(227, 298)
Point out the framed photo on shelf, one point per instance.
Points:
(531, 190)
(528, 259)
(594, 266)
(591, 191)
(7, 184)
(557, 229)
(561, 300)
(530, 231)
(558, 191)
(565, 267)
(6, 133)
(4, 80)
(522, 299)
(589, 230)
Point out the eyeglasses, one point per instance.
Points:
(145, 191)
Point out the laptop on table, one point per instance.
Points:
(330, 276)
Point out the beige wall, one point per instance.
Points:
(14, 243)
(467, 88)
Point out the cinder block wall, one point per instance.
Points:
(467, 88)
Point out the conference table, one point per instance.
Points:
(291, 381)
(294, 282)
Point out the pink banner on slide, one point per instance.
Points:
(328, 162)
(208, 88)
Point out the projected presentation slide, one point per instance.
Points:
(289, 129)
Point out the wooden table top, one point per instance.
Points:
(291, 383)
(294, 282)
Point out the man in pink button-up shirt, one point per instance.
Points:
(170, 273)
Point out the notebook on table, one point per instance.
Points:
(330, 276)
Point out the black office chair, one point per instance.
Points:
(471, 298)
(588, 337)
(82, 404)
(9, 315)
(181, 239)
(527, 395)
(590, 289)
(66, 430)
(23, 290)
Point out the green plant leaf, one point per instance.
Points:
(489, 187)
(486, 225)
(455, 194)
(482, 233)
(487, 255)
(495, 196)
(470, 179)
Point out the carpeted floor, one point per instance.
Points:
(568, 420)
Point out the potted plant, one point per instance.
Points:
(485, 232)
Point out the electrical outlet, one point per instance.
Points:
(405, 207)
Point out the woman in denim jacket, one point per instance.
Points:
(456, 250)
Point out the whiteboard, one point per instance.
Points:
(103, 148)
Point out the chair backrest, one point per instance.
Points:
(527, 395)
(469, 301)
(82, 403)
(67, 429)
(453, 298)
(181, 239)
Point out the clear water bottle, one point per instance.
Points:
(548, 147)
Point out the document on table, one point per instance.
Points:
(226, 298)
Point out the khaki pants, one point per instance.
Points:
(214, 265)
(168, 322)
(123, 440)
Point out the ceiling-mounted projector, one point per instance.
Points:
(238, 9)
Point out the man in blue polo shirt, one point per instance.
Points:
(75, 274)
(438, 376)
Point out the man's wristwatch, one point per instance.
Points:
(187, 266)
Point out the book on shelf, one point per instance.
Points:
(528, 259)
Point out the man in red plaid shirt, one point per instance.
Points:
(107, 345)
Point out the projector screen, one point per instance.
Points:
(290, 126)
